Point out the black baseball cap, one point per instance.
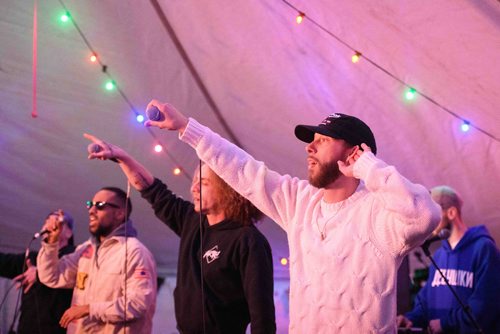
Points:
(339, 126)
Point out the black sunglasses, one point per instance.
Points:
(100, 205)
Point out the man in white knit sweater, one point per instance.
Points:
(348, 227)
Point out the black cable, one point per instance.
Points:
(126, 258)
(201, 255)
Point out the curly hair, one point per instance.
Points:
(235, 206)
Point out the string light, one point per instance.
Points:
(355, 57)
(300, 17)
(284, 261)
(176, 171)
(110, 85)
(465, 126)
(65, 17)
(158, 148)
(411, 93)
(139, 118)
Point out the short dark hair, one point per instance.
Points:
(122, 196)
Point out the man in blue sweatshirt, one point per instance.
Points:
(470, 260)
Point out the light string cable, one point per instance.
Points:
(389, 73)
(105, 70)
(126, 259)
(202, 283)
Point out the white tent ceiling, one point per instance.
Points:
(264, 74)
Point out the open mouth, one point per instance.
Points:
(311, 162)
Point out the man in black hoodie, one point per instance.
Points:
(41, 306)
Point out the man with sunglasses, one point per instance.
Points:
(113, 275)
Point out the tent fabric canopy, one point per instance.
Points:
(263, 74)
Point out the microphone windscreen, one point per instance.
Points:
(94, 148)
(444, 234)
(154, 114)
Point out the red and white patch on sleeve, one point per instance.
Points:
(88, 252)
(141, 273)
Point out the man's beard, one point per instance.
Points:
(447, 224)
(101, 231)
(328, 173)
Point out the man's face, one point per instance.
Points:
(103, 220)
(322, 156)
(444, 223)
(209, 197)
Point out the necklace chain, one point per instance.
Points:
(322, 232)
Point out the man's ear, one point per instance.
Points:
(120, 215)
(350, 152)
(451, 213)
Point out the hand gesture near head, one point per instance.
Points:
(170, 118)
(347, 167)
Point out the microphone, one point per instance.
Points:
(39, 234)
(96, 148)
(154, 114)
(45, 231)
(443, 234)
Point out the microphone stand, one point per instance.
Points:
(466, 308)
(19, 295)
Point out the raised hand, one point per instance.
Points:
(171, 118)
(53, 224)
(106, 150)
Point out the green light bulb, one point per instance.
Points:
(410, 94)
(110, 85)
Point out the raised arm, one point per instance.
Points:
(139, 177)
(275, 195)
(53, 271)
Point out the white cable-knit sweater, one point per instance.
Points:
(345, 283)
